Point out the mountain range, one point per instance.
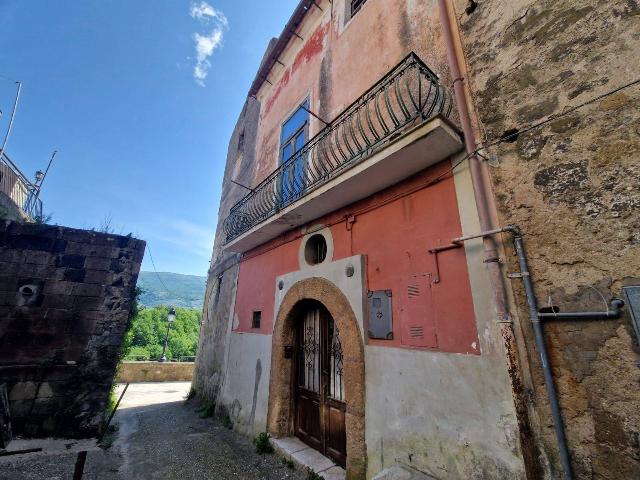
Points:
(165, 288)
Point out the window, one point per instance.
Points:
(241, 141)
(315, 250)
(295, 132)
(255, 320)
(356, 5)
(218, 288)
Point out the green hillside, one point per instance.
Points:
(171, 289)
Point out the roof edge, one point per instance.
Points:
(272, 56)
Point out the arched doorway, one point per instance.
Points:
(282, 421)
(319, 396)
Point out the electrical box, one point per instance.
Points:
(380, 323)
(632, 294)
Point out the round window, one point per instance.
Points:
(315, 250)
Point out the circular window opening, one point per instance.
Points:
(315, 250)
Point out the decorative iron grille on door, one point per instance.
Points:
(320, 399)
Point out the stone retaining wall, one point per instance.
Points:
(136, 372)
(65, 300)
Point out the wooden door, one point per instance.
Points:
(319, 400)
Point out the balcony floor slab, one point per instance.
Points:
(417, 149)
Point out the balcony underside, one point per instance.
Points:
(419, 148)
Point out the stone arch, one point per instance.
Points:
(281, 393)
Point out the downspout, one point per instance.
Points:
(488, 217)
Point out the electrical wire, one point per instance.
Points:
(557, 115)
(449, 171)
(157, 274)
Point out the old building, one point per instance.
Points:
(18, 195)
(365, 295)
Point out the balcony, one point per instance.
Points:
(395, 129)
(19, 191)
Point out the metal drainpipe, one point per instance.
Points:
(479, 175)
(488, 217)
(613, 311)
(541, 346)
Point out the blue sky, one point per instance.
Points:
(139, 98)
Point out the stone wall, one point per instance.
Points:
(572, 186)
(136, 372)
(65, 298)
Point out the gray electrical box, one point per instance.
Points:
(632, 294)
(380, 323)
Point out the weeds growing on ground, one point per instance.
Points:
(290, 464)
(311, 475)
(207, 409)
(226, 422)
(263, 443)
(109, 437)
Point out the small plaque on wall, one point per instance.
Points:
(380, 324)
(288, 351)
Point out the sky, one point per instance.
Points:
(139, 98)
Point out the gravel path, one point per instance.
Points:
(159, 436)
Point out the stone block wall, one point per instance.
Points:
(572, 186)
(65, 299)
(137, 372)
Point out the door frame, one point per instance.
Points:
(281, 394)
(327, 405)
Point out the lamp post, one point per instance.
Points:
(171, 317)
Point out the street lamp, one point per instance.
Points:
(171, 317)
(39, 176)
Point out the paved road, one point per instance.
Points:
(159, 436)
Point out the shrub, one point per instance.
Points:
(263, 443)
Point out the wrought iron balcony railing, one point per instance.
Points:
(406, 96)
(19, 189)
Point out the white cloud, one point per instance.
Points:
(205, 12)
(207, 43)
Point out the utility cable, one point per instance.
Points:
(157, 274)
(493, 142)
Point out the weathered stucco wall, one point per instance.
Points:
(572, 186)
(65, 298)
(245, 393)
(476, 434)
(334, 63)
(8, 209)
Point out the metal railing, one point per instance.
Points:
(406, 96)
(19, 189)
(147, 358)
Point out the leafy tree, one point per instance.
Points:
(145, 338)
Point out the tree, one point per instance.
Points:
(149, 328)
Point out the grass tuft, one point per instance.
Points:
(207, 409)
(263, 443)
(311, 475)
